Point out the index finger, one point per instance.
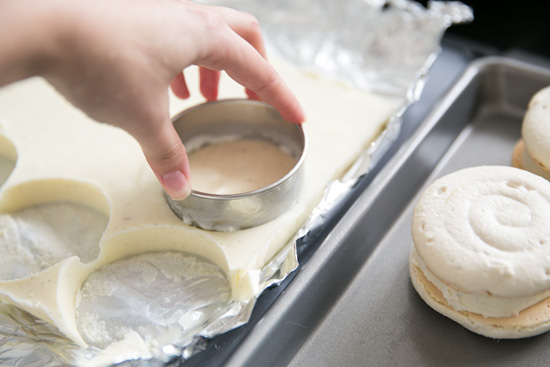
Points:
(244, 64)
(247, 27)
(238, 48)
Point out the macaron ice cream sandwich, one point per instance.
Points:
(481, 250)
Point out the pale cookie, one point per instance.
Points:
(522, 159)
(532, 321)
(481, 253)
(535, 129)
(517, 154)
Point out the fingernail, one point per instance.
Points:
(176, 185)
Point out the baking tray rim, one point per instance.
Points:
(350, 217)
(482, 106)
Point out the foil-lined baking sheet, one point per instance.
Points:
(385, 47)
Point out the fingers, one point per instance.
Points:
(263, 80)
(179, 86)
(166, 155)
(273, 90)
(209, 82)
(252, 95)
(248, 28)
(243, 57)
(248, 68)
(245, 25)
(238, 48)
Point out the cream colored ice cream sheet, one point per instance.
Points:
(61, 155)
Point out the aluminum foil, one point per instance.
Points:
(385, 47)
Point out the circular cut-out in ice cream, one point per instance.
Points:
(37, 237)
(44, 222)
(153, 300)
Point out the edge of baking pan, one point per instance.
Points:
(245, 345)
(241, 345)
(379, 319)
(323, 279)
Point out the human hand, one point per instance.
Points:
(115, 59)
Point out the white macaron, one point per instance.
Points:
(481, 253)
(532, 152)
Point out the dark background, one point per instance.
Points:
(501, 27)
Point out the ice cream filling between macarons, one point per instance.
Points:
(485, 305)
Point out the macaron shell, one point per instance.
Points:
(484, 230)
(521, 159)
(517, 154)
(536, 128)
(532, 321)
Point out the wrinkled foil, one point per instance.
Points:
(385, 47)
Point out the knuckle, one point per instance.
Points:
(252, 23)
(168, 156)
(211, 20)
(216, 50)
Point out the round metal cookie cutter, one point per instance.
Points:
(233, 119)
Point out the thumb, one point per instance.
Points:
(166, 155)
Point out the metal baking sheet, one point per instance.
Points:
(233, 348)
(352, 302)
